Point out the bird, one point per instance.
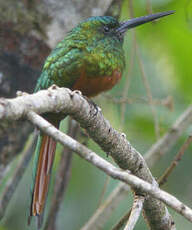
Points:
(90, 59)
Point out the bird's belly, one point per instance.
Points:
(90, 86)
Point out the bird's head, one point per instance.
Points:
(100, 27)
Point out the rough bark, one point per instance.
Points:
(100, 130)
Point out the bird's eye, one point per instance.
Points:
(106, 29)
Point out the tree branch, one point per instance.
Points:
(122, 221)
(174, 163)
(135, 212)
(138, 184)
(104, 211)
(169, 139)
(99, 129)
(148, 91)
(156, 151)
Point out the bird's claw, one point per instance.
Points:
(20, 93)
(123, 135)
(72, 93)
(53, 87)
(76, 92)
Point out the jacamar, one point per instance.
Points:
(90, 59)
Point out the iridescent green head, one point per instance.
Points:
(98, 27)
(106, 26)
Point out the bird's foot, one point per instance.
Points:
(123, 135)
(20, 93)
(52, 87)
(72, 93)
(91, 103)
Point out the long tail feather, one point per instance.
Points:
(44, 157)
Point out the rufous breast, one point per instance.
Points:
(91, 87)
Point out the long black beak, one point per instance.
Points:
(124, 26)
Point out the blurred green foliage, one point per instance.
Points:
(165, 48)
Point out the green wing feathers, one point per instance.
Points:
(62, 67)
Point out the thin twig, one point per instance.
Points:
(16, 178)
(136, 209)
(103, 190)
(149, 7)
(174, 163)
(127, 82)
(122, 221)
(149, 93)
(162, 146)
(131, 62)
(104, 211)
(131, 8)
(143, 74)
(4, 171)
(62, 179)
(166, 102)
(135, 212)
